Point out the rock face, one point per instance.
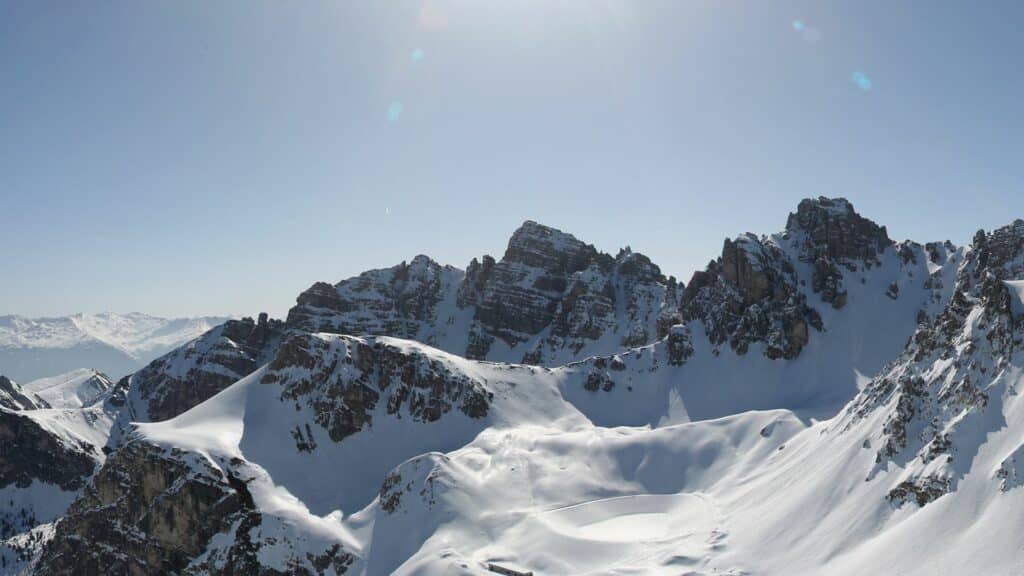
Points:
(400, 301)
(127, 530)
(754, 291)
(548, 300)
(834, 230)
(343, 379)
(833, 236)
(172, 384)
(30, 452)
(14, 397)
(750, 294)
(47, 456)
(153, 511)
(946, 392)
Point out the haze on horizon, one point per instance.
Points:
(191, 159)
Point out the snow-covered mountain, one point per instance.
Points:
(47, 456)
(550, 299)
(115, 344)
(76, 389)
(819, 400)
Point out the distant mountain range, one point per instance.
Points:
(819, 400)
(115, 344)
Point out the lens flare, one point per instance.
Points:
(809, 34)
(861, 80)
(394, 111)
(417, 55)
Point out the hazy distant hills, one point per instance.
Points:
(115, 344)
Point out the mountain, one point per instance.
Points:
(819, 400)
(115, 344)
(199, 369)
(47, 456)
(550, 299)
(76, 389)
(763, 299)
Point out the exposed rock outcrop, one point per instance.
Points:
(343, 379)
(833, 236)
(30, 452)
(400, 301)
(172, 384)
(946, 390)
(548, 300)
(146, 512)
(750, 294)
(154, 510)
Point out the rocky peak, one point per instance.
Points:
(832, 236)
(750, 265)
(834, 229)
(552, 250)
(399, 301)
(749, 294)
(1002, 251)
(550, 280)
(636, 265)
(549, 299)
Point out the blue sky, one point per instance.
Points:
(185, 158)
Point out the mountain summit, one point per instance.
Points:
(550, 299)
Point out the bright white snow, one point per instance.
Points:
(74, 389)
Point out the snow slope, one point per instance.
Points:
(76, 389)
(539, 487)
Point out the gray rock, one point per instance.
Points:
(29, 452)
(343, 384)
(749, 294)
(152, 511)
(549, 289)
(174, 383)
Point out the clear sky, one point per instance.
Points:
(184, 158)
